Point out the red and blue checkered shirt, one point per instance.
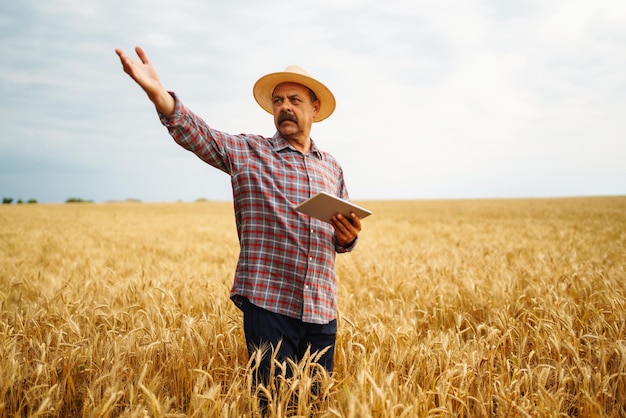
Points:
(287, 260)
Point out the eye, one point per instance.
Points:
(276, 100)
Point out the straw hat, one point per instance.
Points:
(265, 86)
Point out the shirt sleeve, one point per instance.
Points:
(194, 134)
(347, 249)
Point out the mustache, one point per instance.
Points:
(286, 116)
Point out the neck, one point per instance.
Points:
(299, 143)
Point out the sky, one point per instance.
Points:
(435, 99)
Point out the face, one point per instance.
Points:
(294, 111)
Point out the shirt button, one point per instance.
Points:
(310, 258)
(306, 287)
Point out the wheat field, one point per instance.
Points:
(447, 308)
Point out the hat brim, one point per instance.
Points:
(264, 87)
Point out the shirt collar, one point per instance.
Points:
(279, 143)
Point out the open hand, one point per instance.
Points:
(146, 75)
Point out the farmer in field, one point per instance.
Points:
(285, 282)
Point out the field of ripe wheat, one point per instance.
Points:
(447, 308)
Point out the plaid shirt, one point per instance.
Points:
(287, 260)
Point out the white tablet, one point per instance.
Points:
(323, 206)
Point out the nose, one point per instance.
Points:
(285, 106)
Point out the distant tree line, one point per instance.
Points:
(77, 200)
(9, 200)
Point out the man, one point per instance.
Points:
(285, 281)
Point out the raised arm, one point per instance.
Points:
(146, 75)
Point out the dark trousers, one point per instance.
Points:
(265, 329)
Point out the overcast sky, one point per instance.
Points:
(435, 99)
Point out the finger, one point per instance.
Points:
(349, 222)
(123, 57)
(344, 229)
(125, 60)
(142, 55)
(356, 221)
(339, 229)
(340, 223)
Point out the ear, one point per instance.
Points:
(317, 105)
